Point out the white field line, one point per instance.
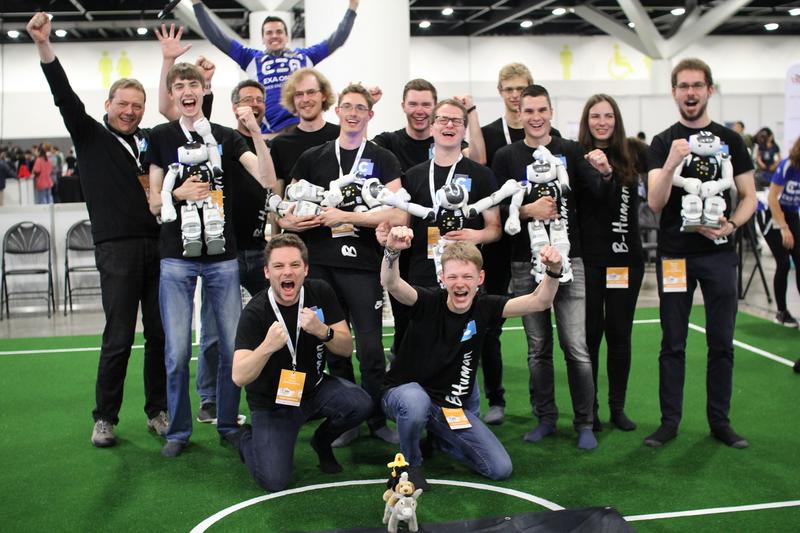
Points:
(714, 510)
(748, 347)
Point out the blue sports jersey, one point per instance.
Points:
(788, 177)
(271, 71)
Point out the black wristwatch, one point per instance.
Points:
(552, 274)
(329, 336)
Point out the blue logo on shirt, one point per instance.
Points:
(469, 331)
(365, 167)
(463, 179)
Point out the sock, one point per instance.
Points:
(620, 419)
(586, 439)
(660, 436)
(327, 461)
(539, 432)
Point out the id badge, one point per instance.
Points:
(456, 418)
(144, 180)
(290, 387)
(617, 277)
(343, 230)
(216, 197)
(673, 275)
(433, 239)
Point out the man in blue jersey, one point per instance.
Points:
(272, 66)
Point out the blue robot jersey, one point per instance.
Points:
(788, 176)
(271, 71)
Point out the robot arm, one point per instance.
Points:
(203, 128)
(168, 213)
(333, 197)
(713, 188)
(555, 163)
(509, 188)
(401, 200)
(513, 224)
(690, 185)
(303, 190)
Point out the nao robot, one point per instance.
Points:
(203, 160)
(711, 174)
(451, 208)
(545, 176)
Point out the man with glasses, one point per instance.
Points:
(706, 257)
(341, 241)
(272, 66)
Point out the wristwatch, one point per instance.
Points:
(329, 336)
(552, 274)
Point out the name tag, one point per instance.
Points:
(456, 418)
(343, 230)
(433, 239)
(673, 275)
(617, 277)
(290, 387)
(216, 197)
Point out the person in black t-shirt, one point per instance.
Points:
(512, 162)
(284, 332)
(612, 249)
(341, 240)
(705, 257)
(435, 366)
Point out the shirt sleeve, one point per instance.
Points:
(212, 31)
(656, 154)
(779, 176)
(300, 170)
(252, 330)
(390, 166)
(426, 300)
(154, 155)
(78, 123)
(330, 304)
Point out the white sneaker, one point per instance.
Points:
(103, 434)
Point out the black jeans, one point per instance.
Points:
(129, 273)
(610, 312)
(716, 275)
(497, 265)
(782, 255)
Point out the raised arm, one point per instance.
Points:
(659, 180)
(248, 364)
(213, 33)
(342, 32)
(39, 29)
(477, 146)
(171, 49)
(541, 298)
(260, 165)
(399, 239)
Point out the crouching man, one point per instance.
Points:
(282, 341)
(435, 365)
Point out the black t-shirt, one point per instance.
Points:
(408, 151)
(319, 166)
(480, 183)
(249, 209)
(609, 223)
(495, 138)
(671, 241)
(287, 147)
(440, 349)
(256, 319)
(511, 161)
(165, 140)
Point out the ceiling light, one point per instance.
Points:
(526, 23)
(794, 11)
(447, 11)
(13, 34)
(772, 26)
(141, 30)
(425, 24)
(61, 33)
(559, 11)
(678, 11)
(631, 24)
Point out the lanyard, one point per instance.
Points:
(125, 144)
(337, 150)
(505, 130)
(447, 181)
(292, 346)
(186, 131)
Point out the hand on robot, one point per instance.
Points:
(171, 47)
(545, 208)
(550, 258)
(311, 324)
(465, 234)
(710, 188)
(399, 238)
(597, 158)
(39, 27)
(332, 217)
(692, 186)
(207, 67)
(245, 116)
(298, 223)
(276, 338)
(713, 234)
(192, 190)
(382, 232)
(677, 153)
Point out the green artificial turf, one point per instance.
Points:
(54, 480)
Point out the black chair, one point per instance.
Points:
(79, 248)
(26, 252)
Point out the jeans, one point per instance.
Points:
(178, 281)
(44, 196)
(251, 277)
(716, 274)
(476, 447)
(129, 272)
(570, 311)
(268, 449)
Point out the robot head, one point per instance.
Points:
(453, 196)
(540, 171)
(704, 143)
(192, 153)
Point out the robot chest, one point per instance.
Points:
(449, 220)
(351, 197)
(704, 168)
(543, 189)
(201, 171)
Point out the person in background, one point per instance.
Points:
(768, 155)
(42, 181)
(5, 173)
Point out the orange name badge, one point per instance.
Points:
(456, 418)
(673, 275)
(290, 387)
(433, 239)
(144, 180)
(216, 197)
(343, 230)
(616, 277)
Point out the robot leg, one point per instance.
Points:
(714, 208)
(191, 230)
(559, 238)
(214, 227)
(539, 238)
(692, 212)
(438, 250)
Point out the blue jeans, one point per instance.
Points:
(44, 196)
(176, 293)
(477, 447)
(268, 449)
(570, 311)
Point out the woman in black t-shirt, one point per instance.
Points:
(612, 248)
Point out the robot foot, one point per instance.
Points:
(192, 248)
(215, 245)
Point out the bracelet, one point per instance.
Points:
(553, 274)
(390, 255)
(471, 109)
(734, 224)
(606, 176)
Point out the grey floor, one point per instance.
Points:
(88, 318)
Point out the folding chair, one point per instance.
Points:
(26, 252)
(80, 249)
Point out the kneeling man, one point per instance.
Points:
(434, 369)
(283, 338)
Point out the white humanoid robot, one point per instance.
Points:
(546, 176)
(451, 208)
(709, 173)
(195, 159)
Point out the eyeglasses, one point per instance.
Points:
(347, 107)
(307, 92)
(512, 90)
(699, 85)
(251, 100)
(439, 119)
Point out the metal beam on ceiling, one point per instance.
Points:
(509, 16)
(696, 30)
(611, 26)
